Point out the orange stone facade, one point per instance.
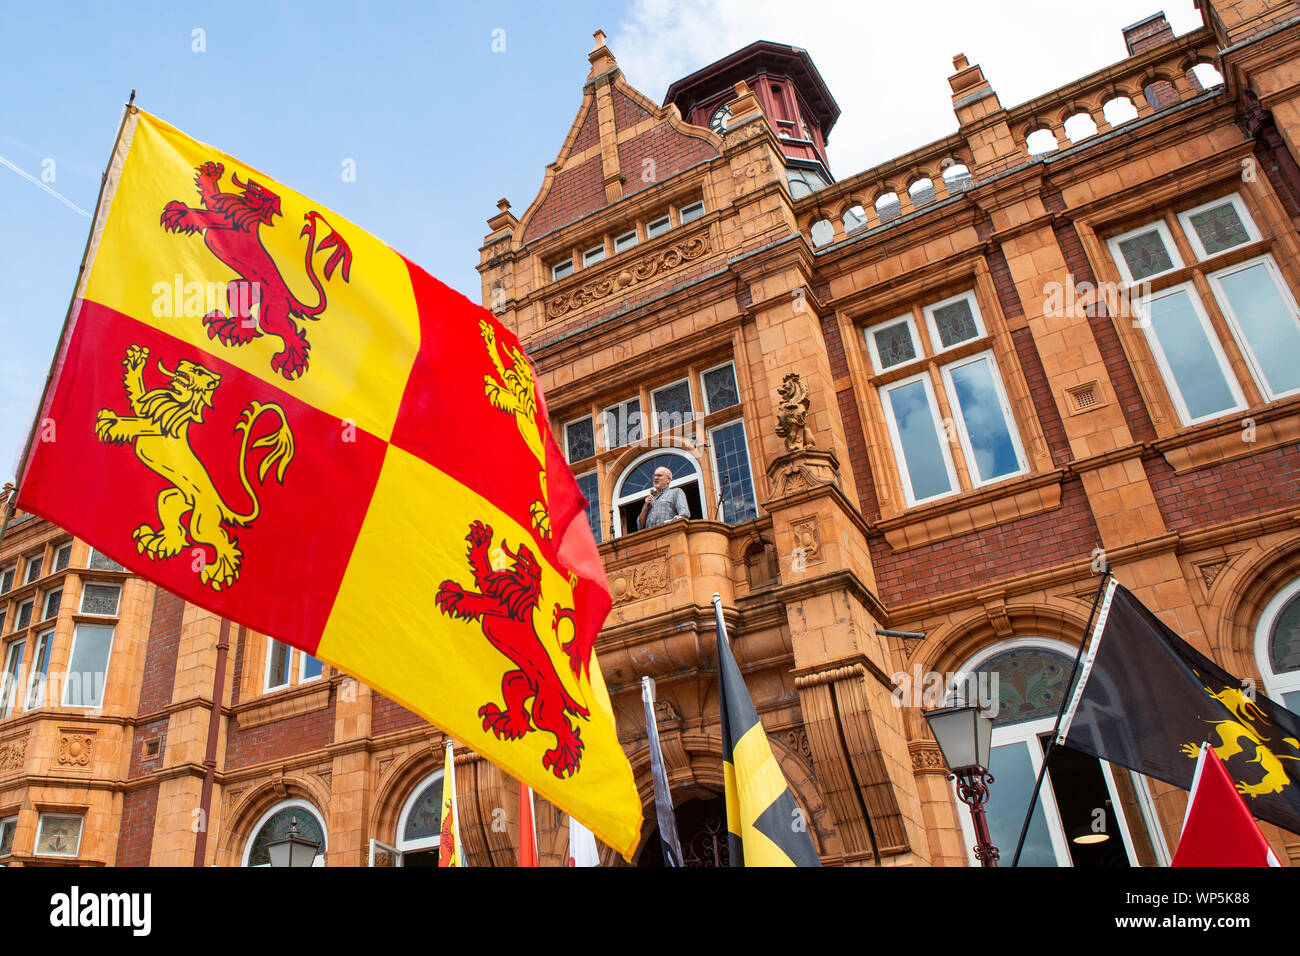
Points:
(660, 252)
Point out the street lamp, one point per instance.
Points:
(294, 849)
(964, 734)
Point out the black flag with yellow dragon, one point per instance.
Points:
(1147, 699)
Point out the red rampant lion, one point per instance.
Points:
(229, 223)
(505, 609)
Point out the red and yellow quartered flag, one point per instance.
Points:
(295, 427)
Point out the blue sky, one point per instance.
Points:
(439, 124)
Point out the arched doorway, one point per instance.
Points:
(702, 830)
(637, 481)
(1089, 813)
(276, 823)
(419, 827)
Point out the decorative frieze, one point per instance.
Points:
(12, 753)
(637, 581)
(639, 270)
(75, 748)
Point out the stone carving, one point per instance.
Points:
(807, 542)
(665, 711)
(927, 758)
(802, 470)
(12, 753)
(792, 414)
(797, 740)
(639, 270)
(74, 749)
(640, 580)
(1210, 572)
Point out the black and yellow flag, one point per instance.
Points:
(764, 825)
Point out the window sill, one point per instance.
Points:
(973, 511)
(1214, 442)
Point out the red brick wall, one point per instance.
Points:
(140, 766)
(589, 132)
(574, 193)
(1049, 416)
(1228, 490)
(160, 653)
(626, 112)
(670, 150)
(854, 434)
(1152, 33)
(1040, 541)
(280, 738)
(135, 837)
(387, 715)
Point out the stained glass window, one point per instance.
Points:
(1219, 228)
(52, 603)
(59, 834)
(277, 828)
(731, 458)
(672, 406)
(100, 599)
(621, 424)
(1031, 683)
(34, 565)
(894, 344)
(589, 485)
(7, 578)
(8, 827)
(425, 817)
(102, 562)
(954, 322)
(1145, 254)
(720, 388)
(24, 615)
(580, 439)
(1284, 641)
(63, 558)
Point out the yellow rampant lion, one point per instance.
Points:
(159, 432)
(512, 392)
(1232, 732)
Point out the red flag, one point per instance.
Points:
(1218, 829)
(527, 832)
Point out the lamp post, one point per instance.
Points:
(964, 734)
(294, 849)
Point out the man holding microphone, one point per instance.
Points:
(663, 504)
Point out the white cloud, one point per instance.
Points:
(886, 64)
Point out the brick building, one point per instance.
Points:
(1062, 335)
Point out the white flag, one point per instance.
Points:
(582, 845)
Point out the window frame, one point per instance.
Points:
(45, 604)
(604, 413)
(900, 459)
(704, 388)
(40, 827)
(18, 614)
(1194, 238)
(1172, 388)
(90, 561)
(556, 274)
(37, 561)
(654, 405)
(869, 331)
(1121, 263)
(8, 572)
(574, 421)
(651, 232)
(62, 549)
(11, 823)
(292, 804)
(597, 531)
(302, 667)
(404, 845)
(85, 587)
(267, 688)
(635, 236)
(619, 498)
(35, 668)
(599, 256)
(936, 342)
(72, 654)
(717, 472)
(1276, 686)
(684, 210)
(963, 431)
(1234, 323)
(14, 652)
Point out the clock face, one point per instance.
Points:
(718, 122)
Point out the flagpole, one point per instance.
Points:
(127, 111)
(1065, 700)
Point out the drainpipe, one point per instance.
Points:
(210, 759)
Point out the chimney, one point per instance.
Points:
(1148, 33)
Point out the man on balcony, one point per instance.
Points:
(663, 504)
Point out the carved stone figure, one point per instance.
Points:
(792, 414)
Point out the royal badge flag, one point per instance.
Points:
(272, 414)
(582, 845)
(668, 841)
(1218, 829)
(764, 825)
(450, 852)
(1146, 700)
(527, 829)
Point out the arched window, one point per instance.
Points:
(822, 232)
(1088, 813)
(419, 827)
(638, 480)
(275, 825)
(1277, 647)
